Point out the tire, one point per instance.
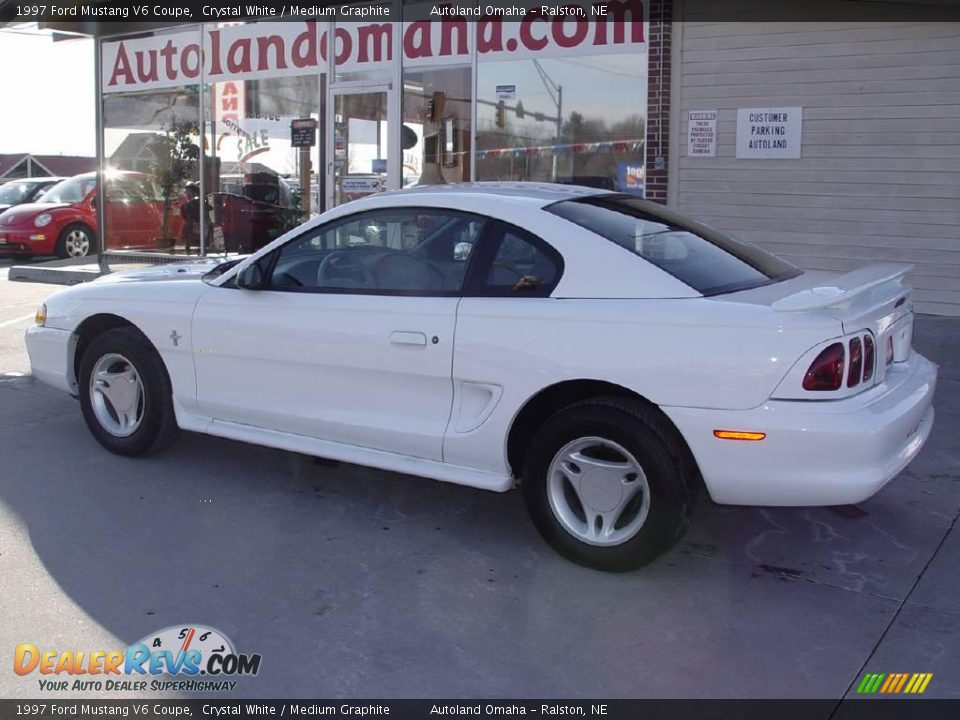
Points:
(76, 240)
(128, 406)
(625, 450)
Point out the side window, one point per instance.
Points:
(520, 264)
(409, 251)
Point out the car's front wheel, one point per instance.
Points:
(76, 241)
(125, 393)
(608, 484)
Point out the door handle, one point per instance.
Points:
(408, 338)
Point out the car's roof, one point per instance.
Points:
(537, 193)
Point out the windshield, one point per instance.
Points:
(70, 191)
(14, 193)
(704, 258)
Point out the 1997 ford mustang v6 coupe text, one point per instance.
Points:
(608, 354)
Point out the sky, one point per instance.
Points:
(48, 95)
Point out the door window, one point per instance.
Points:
(408, 251)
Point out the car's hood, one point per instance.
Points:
(187, 270)
(16, 214)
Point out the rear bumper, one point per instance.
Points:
(50, 352)
(815, 452)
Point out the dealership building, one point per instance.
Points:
(827, 131)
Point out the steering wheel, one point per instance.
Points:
(344, 265)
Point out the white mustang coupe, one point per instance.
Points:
(604, 353)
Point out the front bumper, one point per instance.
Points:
(815, 452)
(18, 242)
(51, 355)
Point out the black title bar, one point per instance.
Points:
(877, 709)
(89, 17)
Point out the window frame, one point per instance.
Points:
(273, 256)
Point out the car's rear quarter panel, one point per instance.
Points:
(692, 352)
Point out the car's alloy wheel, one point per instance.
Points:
(117, 396)
(75, 241)
(609, 483)
(125, 393)
(598, 491)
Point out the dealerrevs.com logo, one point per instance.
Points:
(199, 658)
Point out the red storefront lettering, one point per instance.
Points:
(146, 76)
(121, 68)
(239, 64)
(189, 70)
(305, 47)
(376, 42)
(263, 46)
(416, 40)
(447, 29)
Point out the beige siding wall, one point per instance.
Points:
(879, 176)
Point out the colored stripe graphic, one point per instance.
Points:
(891, 679)
(915, 680)
(894, 683)
(871, 682)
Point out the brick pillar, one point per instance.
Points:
(658, 99)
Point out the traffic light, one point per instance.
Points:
(501, 114)
(435, 106)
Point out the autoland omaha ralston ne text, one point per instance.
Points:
(491, 709)
(479, 11)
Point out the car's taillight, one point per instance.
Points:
(868, 359)
(826, 372)
(856, 362)
(889, 349)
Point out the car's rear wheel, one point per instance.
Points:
(125, 393)
(608, 484)
(76, 241)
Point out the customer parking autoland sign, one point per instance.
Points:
(769, 132)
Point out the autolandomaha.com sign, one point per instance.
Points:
(271, 49)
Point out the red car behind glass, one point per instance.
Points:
(63, 221)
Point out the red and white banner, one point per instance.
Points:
(270, 49)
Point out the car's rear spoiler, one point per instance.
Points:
(845, 289)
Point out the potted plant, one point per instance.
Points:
(175, 157)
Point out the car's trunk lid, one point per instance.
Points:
(869, 298)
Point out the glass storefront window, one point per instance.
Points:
(259, 187)
(577, 120)
(437, 128)
(151, 152)
(412, 103)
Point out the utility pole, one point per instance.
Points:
(555, 92)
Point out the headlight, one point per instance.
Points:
(42, 220)
(41, 318)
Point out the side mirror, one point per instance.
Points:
(93, 202)
(251, 278)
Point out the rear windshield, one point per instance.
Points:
(707, 260)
